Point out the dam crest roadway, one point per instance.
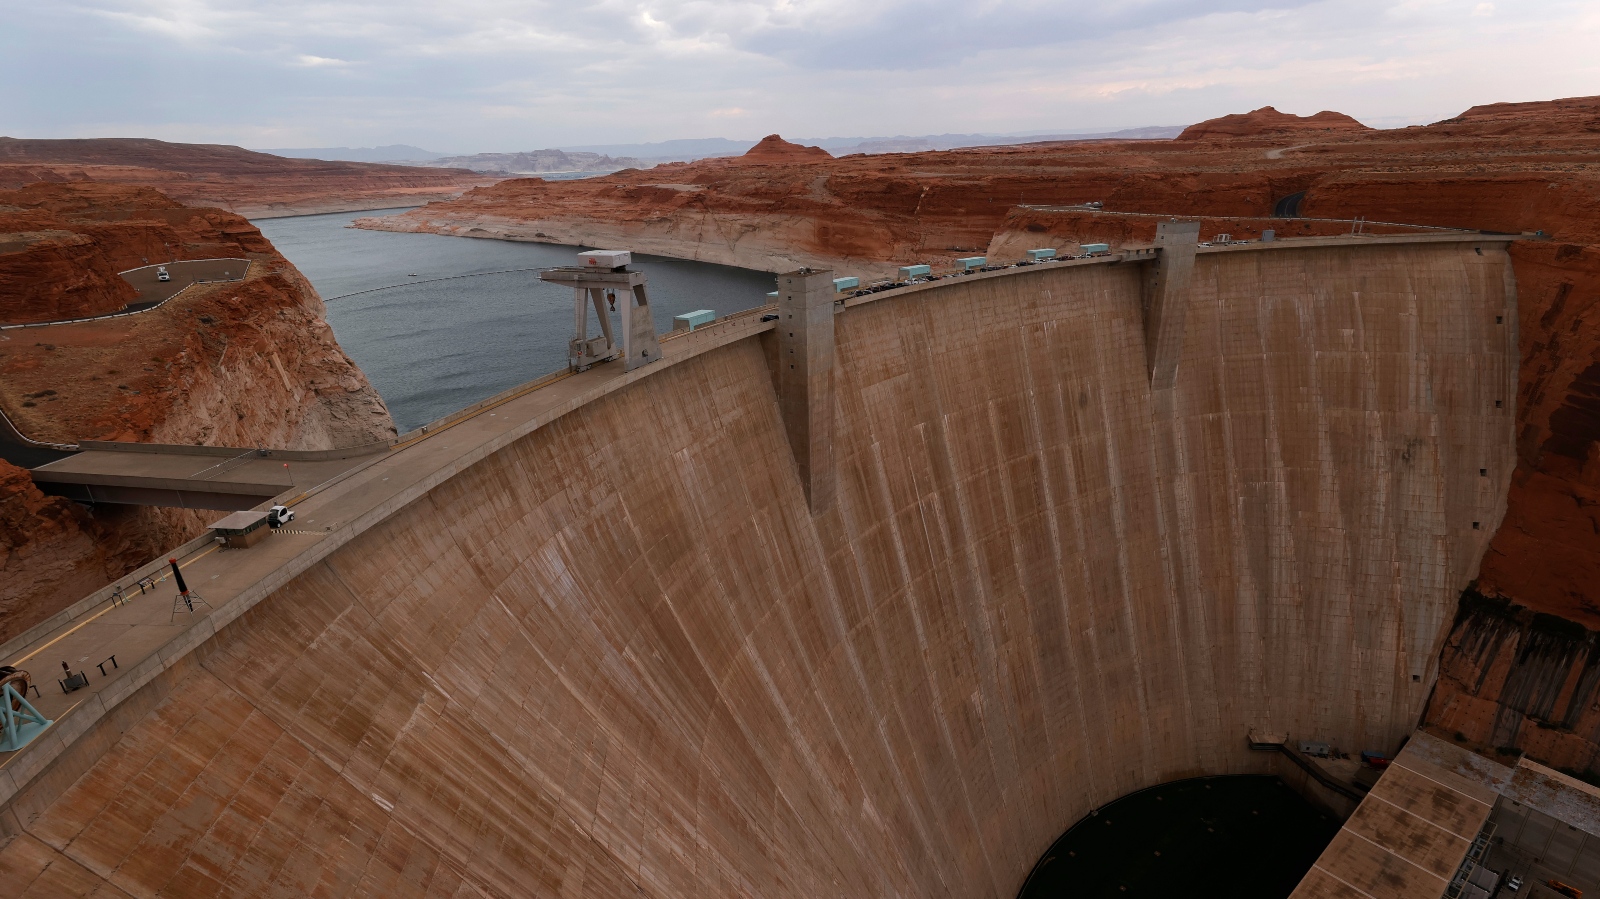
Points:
(1076, 528)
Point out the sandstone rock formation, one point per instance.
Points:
(53, 550)
(228, 364)
(1268, 122)
(62, 245)
(1512, 681)
(255, 185)
(49, 275)
(774, 150)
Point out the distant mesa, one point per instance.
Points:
(1573, 115)
(389, 153)
(537, 162)
(773, 149)
(1267, 121)
(245, 182)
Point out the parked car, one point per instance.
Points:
(278, 516)
(1514, 884)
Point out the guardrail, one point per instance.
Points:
(13, 431)
(1311, 768)
(154, 306)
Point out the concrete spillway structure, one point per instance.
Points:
(620, 653)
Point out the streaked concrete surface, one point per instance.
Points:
(591, 641)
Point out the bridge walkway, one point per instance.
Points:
(218, 478)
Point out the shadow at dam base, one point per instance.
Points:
(1238, 836)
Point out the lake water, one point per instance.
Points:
(465, 328)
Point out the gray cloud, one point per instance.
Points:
(471, 75)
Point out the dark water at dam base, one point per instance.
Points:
(1239, 837)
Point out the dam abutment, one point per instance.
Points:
(598, 659)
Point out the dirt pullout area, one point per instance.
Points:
(1505, 167)
(242, 363)
(254, 185)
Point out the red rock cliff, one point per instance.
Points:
(774, 150)
(1268, 122)
(228, 364)
(1512, 681)
(253, 184)
(53, 552)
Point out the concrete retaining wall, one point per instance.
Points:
(621, 656)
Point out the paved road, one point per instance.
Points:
(153, 291)
(18, 451)
(176, 477)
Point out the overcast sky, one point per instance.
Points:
(500, 75)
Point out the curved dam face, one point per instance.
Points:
(620, 655)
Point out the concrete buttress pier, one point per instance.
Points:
(1166, 299)
(805, 378)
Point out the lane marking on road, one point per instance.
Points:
(91, 619)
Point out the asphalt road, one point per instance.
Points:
(153, 291)
(19, 452)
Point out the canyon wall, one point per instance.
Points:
(247, 363)
(257, 185)
(619, 655)
(1514, 682)
(53, 553)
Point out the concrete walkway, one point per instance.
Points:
(186, 477)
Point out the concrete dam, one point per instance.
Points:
(1051, 536)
